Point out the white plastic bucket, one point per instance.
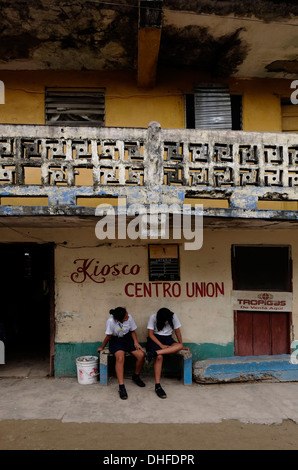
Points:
(87, 369)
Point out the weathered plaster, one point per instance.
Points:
(76, 35)
(195, 47)
(221, 38)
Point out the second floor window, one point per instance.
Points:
(289, 116)
(75, 106)
(212, 106)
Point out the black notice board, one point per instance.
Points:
(164, 269)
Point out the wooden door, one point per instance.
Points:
(262, 268)
(260, 333)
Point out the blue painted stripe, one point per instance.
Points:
(278, 367)
(188, 371)
(103, 374)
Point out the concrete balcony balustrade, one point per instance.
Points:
(63, 169)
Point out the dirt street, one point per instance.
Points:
(227, 435)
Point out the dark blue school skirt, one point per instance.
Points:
(152, 346)
(122, 343)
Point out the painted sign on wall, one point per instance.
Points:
(92, 269)
(175, 289)
(262, 301)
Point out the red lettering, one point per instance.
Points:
(210, 292)
(166, 288)
(126, 289)
(176, 289)
(138, 287)
(115, 270)
(82, 273)
(124, 270)
(147, 289)
(200, 289)
(156, 284)
(95, 270)
(135, 269)
(188, 290)
(219, 289)
(90, 269)
(105, 270)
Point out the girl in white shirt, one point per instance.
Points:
(121, 336)
(160, 341)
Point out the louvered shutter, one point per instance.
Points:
(212, 106)
(75, 108)
(289, 114)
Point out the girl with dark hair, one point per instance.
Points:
(160, 342)
(121, 336)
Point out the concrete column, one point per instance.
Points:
(153, 156)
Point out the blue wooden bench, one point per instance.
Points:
(104, 365)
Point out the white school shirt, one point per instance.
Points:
(117, 328)
(167, 329)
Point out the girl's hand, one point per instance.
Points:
(138, 346)
(99, 349)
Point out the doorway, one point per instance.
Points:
(26, 316)
(262, 268)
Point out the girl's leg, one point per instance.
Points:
(157, 374)
(171, 349)
(157, 368)
(174, 348)
(119, 366)
(140, 356)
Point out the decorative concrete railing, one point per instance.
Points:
(148, 163)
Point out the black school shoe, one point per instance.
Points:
(160, 391)
(149, 356)
(137, 380)
(123, 393)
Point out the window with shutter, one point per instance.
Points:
(289, 115)
(213, 107)
(75, 107)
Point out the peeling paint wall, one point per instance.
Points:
(47, 34)
(218, 37)
(217, 56)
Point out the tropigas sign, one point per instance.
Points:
(262, 301)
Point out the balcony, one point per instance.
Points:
(145, 166)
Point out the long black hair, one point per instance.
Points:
(118, 313)
(164, 315)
